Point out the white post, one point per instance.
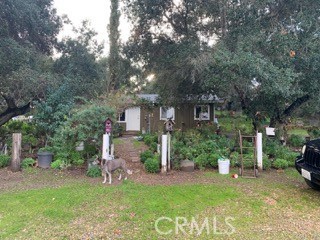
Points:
(259, 151)
(169, 151)
(105, 147)
(164, 153)
(112, 151)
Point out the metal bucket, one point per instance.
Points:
(45, 159)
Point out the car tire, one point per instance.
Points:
(313, 185)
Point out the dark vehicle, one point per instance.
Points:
(308, 163)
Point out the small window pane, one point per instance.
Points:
(122, 117)
(166, 113)
(201, 112)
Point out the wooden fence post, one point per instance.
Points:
(16, 152)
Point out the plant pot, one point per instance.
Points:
(45, 159)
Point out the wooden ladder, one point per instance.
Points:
(243, 171)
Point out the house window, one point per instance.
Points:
(166, 113)
(202, 112)
(122, 117)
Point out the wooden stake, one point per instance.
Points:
(16, 152)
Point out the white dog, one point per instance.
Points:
(109, 166)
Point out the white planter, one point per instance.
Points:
(224, 166)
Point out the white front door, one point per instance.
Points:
(133, 119)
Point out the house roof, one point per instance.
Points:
(149, 97)
(203, 98)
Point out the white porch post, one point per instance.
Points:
(259, 151)
(164, 153)
(105, 146)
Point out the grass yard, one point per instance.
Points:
(277, 205)
(298, 131)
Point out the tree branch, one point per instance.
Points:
(296, 104)
(9, 100)
(13, 112)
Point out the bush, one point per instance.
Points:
(235, 159)
(213, 159)
(152, 165)
(146, 155)
(296, 140)
(314, 132)
(149, 139)
(266, 163)
(27, 162)
(94, 171)
(83, 126)
(76, 158)
(90, 150)
(291, 158)
(4, 160)
(154, 147)
(59, 164)
(271, 147)
(280, 163)
(202, 161)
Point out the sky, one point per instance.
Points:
(96, 11)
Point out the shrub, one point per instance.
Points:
(296, 140)
(152, 165)
(45, 149)
(146, 155)
(90, 150)
(84, 125)
(57, 164)
(27, 162)
(280, 163)
(314, 132)
(117, 130)
(213, 159)
(235, 159)
(76, 158)
(94, 171)
(202, 161)
(271, 147)
(4, 160)
(149, 139)
(291, 158)
(153, 146)
(266, 163)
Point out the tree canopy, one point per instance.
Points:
(266, 53)
(28, 32)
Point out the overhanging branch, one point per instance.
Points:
(296, 104)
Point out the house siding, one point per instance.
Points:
(184, 118)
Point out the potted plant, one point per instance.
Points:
(45, 156)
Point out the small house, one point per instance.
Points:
(186, 116)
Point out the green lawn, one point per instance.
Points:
(298, 131)
(276, 205)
